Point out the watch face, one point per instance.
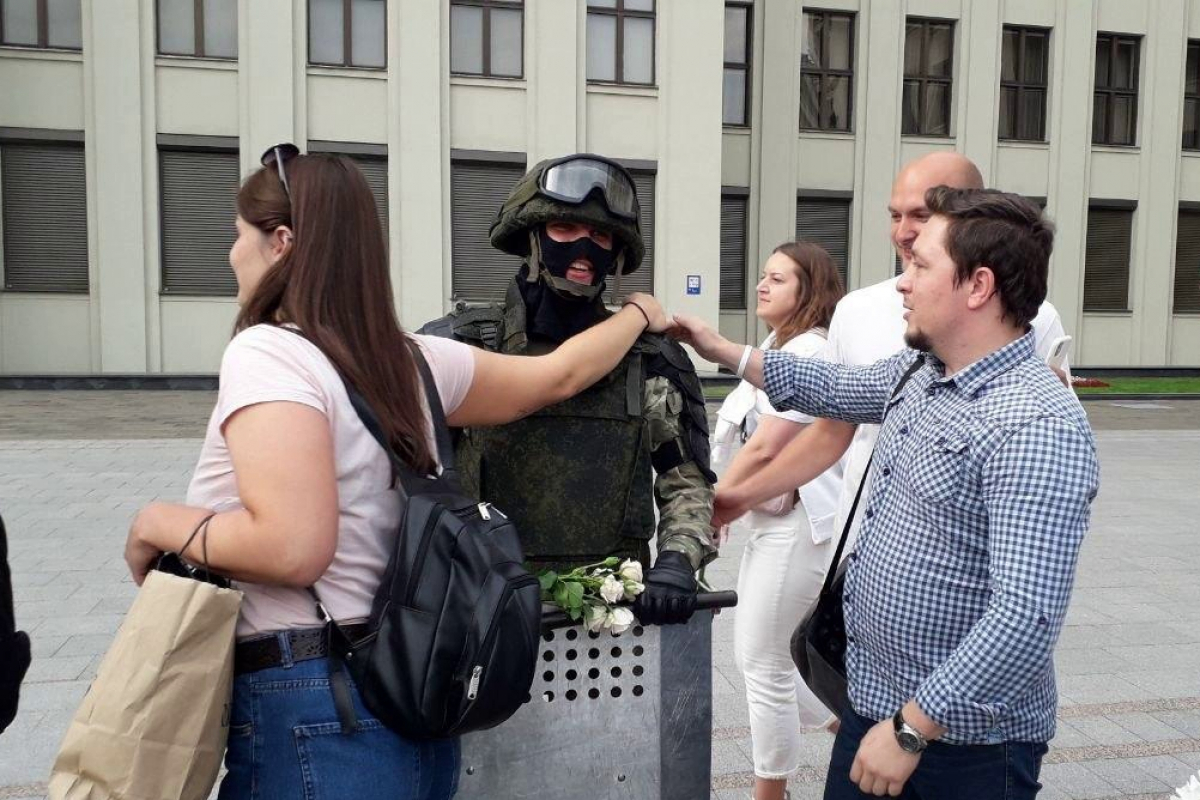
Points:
(909, 742)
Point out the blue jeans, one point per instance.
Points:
(285, 743)
(1007, 771)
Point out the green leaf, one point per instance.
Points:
(575, 594)
(547, 579)
(560, 595)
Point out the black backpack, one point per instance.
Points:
(456, 622)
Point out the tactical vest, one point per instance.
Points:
(575, 477)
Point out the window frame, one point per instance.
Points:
(347, 38)
(43, 27)
(1115, 40)
(620, 13)
(1193, 46)
(746, 66)
(923, 80)
(1021, 85)
(198, 34)
(487, 6)
(824, 71)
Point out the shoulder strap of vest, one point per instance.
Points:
(669, 360)
(479, 326)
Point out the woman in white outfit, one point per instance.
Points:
(789, 546)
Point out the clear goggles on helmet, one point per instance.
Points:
(572, 179)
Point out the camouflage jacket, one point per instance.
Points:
(671, 433)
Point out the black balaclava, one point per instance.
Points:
(556, 308)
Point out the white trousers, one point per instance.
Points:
(781, 575)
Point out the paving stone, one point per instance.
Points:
(1076, 781)
(1127, 776)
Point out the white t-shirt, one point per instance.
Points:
(868, 326)
(818, 497)
(264, 364)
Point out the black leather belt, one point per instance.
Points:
(304, 643)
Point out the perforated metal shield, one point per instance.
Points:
(610, 717)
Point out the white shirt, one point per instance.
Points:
(818, 497)
(868, 326)
(264, 364)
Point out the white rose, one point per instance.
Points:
(612, 589)
(595, 618)
(631, 571)
(633, 589)
(619, 620)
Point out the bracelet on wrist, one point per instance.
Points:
(642, 310)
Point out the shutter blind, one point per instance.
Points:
(733, 253)
(643, 279)
(1187, 264)
(479, 271)
(1106, 265)
(826, 221)
(44, 218)
(375, 170)
(199, 193)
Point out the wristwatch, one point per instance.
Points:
(908, 737)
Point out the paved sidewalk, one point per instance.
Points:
(73, 471)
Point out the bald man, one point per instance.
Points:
(867, 326)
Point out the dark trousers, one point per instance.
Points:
(1007, 771)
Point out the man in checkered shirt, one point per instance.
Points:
(983, 476)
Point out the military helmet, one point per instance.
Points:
(584, 189)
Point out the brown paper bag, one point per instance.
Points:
(154, 723)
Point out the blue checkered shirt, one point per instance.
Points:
(958, 586)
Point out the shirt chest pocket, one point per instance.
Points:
(938, 465)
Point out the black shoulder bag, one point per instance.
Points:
(819, 641)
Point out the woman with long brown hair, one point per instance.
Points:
(303, 495)
(788, 550)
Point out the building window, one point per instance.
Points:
(479, 272)
(826, 71)
(733, 252)
(487, 38)
(826, 221)
(198, 191)
(202, 28)
(1187, 263)
(44, 217)
(739, 34)
(620, 41)
(1114, 111)
(1106, 263)
(1191, 98)
(1024, 62)
(928, 77)
(47, 24)
(347, 33)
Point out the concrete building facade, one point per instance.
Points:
(442, 124)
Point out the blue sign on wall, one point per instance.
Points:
(693, 284)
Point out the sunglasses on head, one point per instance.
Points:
(279, 155)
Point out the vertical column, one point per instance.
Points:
(1070, 136)
(978, 84)
(272, 53)
(555, 52)
(1160, 121)
(775, 143)
(418, 156)
(688, 189)
(114, 88)
(877, 140)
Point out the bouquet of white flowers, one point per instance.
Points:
(591, 594)
(1189, 791)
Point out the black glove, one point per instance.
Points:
(670, 593)
(14, 660)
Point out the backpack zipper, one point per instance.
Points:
(473, 688)
(477, 671)
(410, 589)
(487, 515)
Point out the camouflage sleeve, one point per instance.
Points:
(683, 494)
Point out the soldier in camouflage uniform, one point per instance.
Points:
(581, 478)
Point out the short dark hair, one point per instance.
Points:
(1004, 232)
